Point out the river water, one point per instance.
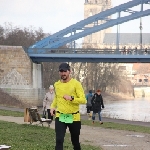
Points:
(134, 110)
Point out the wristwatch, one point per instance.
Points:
(72, 98)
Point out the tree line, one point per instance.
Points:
(17, 36)
(104, 76)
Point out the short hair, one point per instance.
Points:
(98, 90)
(90, 91)
(51, 87)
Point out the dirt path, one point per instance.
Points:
(108, 139)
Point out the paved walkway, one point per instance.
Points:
(146, 124)
(108, 139)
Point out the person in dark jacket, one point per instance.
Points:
(97, 104)
(89, 104)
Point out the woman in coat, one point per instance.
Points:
(49, 96)
(97, 104)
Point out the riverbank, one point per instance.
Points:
(84, 117)
(9, 101)
(116, 96)
(107, 138)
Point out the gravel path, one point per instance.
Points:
(108, 139)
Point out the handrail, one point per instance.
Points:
(85, 51)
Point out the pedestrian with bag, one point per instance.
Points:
(49, 96)
(69, 94)
(97, 105)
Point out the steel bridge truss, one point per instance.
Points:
(81, 29)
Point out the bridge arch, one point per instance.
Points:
(80, 29)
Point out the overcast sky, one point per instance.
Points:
(55, 15)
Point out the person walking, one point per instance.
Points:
(69, 94)
(89, 104)
(97, 104)
(49, 96)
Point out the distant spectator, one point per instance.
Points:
(132, 51)
(146, 51)
(49, 96)
(136, 50)
(124, 50)
(128, 51)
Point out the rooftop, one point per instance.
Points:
(126, 38)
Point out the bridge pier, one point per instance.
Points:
(20, 77)
(37, 75)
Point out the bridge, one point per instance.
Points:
(21, 71)
(89, 55)
(44, 50)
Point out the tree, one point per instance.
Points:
(96, 75)
(1, 35)
(92, 75)
(15, 36)
(50, 73)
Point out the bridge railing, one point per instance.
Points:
(87, 51)
(138, 84)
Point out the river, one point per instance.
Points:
(134, 110)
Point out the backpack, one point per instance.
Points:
(96, 102)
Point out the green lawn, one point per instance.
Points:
(11, 113)
(109, 125)
(31, 137)
(118, 126)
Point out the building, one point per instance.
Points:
(128, 42)
(92, 7)
(104, 39)
(126, 70)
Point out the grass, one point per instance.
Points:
(31, 137)
(108, 125)
(118, 126)
(11, 113)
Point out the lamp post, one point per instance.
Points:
(141, 33)
(141, 27)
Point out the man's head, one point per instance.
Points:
(64, 71)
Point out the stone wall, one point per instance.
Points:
(30, 96)
(19, 76)
(15, 66)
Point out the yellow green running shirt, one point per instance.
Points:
(71, 88)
